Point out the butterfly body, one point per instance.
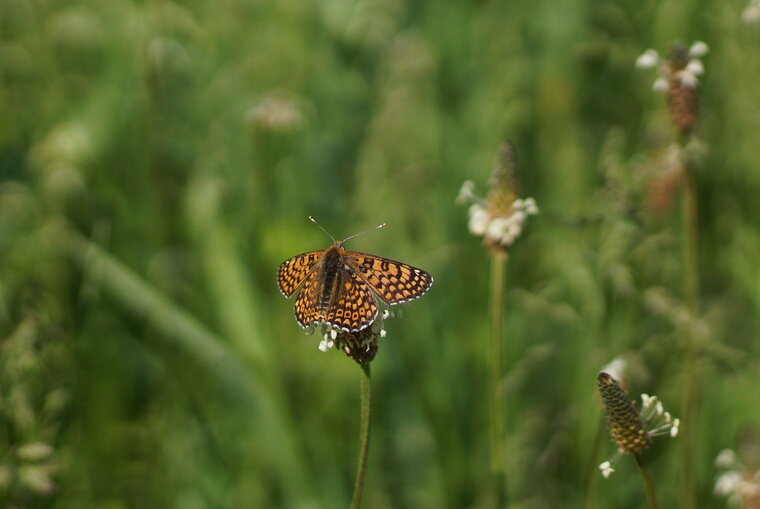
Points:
(335, 275)
(340, 287)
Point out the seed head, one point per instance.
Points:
(678, 76)
(632, 430)
(625, 423)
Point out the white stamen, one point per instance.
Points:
(650, 58)
(530, 206)
(698, 49)
(674, 429)
(479, 219)
(751, 13)
(688, 79)
(660, 84)
(726, 459)
(466, 192)
(606, 469)
(496, 228)
(695, 67)
(728, 483)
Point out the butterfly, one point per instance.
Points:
(341, 288)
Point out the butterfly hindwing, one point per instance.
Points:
(354, 307)
(392, 281)
(293, 272)
(306, 309)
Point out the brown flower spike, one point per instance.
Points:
(624, 420)
(632, 430)
(678, 78)
(681, 97)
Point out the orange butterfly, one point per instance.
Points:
(340, 287)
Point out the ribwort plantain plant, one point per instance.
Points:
(499, 220)
(633, 430)
(678, 77)
(739, 478)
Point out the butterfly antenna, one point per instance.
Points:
(320, 227)
(366, 231)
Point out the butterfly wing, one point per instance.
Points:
(392, 281)
(354, 308)
(306, 305)
(294, 271)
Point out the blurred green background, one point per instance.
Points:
(158, 161)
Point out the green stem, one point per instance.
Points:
(646, 475)
(592, 470)
(361, 463)
(495, 354)
(690, 225)
(691, 240)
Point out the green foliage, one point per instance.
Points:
(158, 161)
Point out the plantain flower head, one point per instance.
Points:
(501, 216)
(678, 76)
(632, 430)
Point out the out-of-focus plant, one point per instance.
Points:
(633, 430)
(499, 219)
(678, 77)
(739, 478)
(751, 13)
(31, 401)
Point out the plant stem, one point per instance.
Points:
(646, 475)
(691, 240)
(361, 463)
(495, 353)
(592, 470)
(690, 225)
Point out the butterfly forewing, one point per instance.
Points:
(392, 281)
(293, 272)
